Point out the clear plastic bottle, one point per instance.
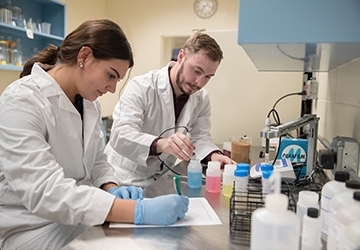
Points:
(275, 227)
(241, 185)
(194, 174)
(266, 171)
(228, 179)
(306, 199)
(311, 230)
(339, 200)
(344, 217)
(265, 181)
(328, 191)
(213, 177)
(352, 236)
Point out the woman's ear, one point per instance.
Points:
(84, 53)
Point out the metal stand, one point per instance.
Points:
(312, 121)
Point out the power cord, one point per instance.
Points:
(166, 130)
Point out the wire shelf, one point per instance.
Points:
(243, 204)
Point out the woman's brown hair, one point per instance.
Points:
(103, 36)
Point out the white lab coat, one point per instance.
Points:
(48, 174)
(144, 111)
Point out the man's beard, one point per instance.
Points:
(179, 81)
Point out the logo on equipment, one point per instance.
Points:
(294, 153)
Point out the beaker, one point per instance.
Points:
(240, 149)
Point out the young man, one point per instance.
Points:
(156, 111)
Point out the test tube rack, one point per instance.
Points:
(243, 204)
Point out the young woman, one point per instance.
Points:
(53, 172)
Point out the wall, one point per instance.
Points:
(338, 104)
(240, 96)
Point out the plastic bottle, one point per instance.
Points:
(352, 236)
(266, 171)
(311, 230)
(339, 200)
(228, 179)
(344, 217)
(265, 181)
(213, 177)
(241, 194)
(194, 174)
(330, 189)
(306, 199)
(274, 227)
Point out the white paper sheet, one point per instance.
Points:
(200, 213)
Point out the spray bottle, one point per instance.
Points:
(274, 226)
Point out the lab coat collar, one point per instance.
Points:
(51, 89)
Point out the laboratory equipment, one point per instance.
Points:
(306, 199)
(309, 120)
(274, 227)
(344, 217)
(338, 201)
(311, 230)
(241, 182)
(347, 153)
(194, 174)
(240, 149)
(228, 179)
(352, 236)
(265, 181)
(213, 177)
(328, 191)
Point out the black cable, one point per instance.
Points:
(277, 119)
(166, 130)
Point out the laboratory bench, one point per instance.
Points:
(188, 237)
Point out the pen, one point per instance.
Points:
(177, 184)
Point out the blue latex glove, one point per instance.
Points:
(161, 210)
(127, 192)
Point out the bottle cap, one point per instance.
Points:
(214, 164)
(357, 196)
(266, 167)
(266, 174)
(341, 176)
(352, 184)
(230, 168)
(243, 166)
(313, 212)
(308, 197)
(241, 173)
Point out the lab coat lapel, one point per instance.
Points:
(90, 120)
(167, 94)
(187, 111)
